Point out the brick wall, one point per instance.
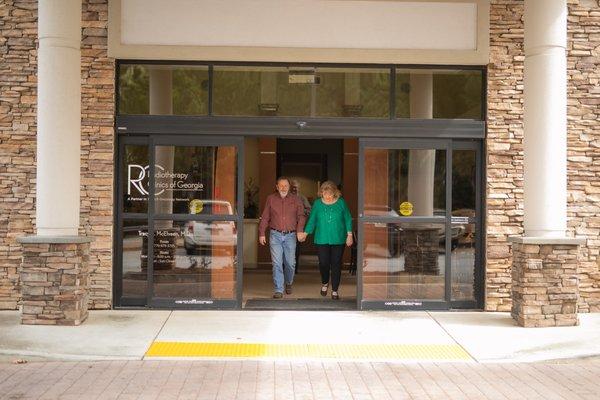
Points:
(504, 145)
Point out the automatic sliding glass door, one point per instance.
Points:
(416, 248)
(185, 242)
(131, 251)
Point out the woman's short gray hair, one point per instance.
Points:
(332, 187)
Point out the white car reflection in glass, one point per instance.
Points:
(200, 237)
(457, 231)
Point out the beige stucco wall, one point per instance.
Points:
(397, 31)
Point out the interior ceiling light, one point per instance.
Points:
(306, 76)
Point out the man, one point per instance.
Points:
(284, 216)
(295, 189)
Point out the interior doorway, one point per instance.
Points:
(307, 162)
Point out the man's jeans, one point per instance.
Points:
(283, 256)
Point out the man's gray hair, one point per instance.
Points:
(283, 178)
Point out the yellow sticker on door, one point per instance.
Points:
(406, 208)
(196, 206)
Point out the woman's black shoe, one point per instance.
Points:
(324, 290)
(335, 296)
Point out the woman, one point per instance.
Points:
(331, 222)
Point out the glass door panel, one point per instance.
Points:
(195, 261)
(130, 273)
(465, 230)
(135, 178)
(197, 180)
(419, 224)
(403, 261)
(464, 240)
(413, 177)
(134, 258)
(194, 223)
(404, 224)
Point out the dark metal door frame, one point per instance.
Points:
(478, 221)
(420, 304)
(299, 127)
(151, 142)
(404, 132)
(118, 299)
(141, 129)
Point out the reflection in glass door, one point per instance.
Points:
(179, 233)
(417, 225)
(466, 247)
(130, 274)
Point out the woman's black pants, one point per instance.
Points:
(330, 259)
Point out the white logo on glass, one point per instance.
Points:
(137, 181)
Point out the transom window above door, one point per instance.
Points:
(313, 91)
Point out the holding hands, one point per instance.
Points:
(301, 236)
(349, 240)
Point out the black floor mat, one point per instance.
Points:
(301, 304)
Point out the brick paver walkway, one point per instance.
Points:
(283, 380)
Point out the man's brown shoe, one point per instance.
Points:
(277, 295)
(288, 289)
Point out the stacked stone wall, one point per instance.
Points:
(54, 283)
(97, 148)
(504, 148)
(583, 158)
(18, 97)
(545, 285)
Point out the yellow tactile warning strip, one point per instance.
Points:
(335, 351)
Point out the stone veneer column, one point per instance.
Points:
(545, 279)
(421, 242)
(421, 162)
(545, 283)
(165, 237)
(161, 103)
(54, 281)
(352, 106)
(58, 118)
(545, 118)
(268, 94)
(421, 249)
(54, 270)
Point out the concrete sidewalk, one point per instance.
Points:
(406, 336)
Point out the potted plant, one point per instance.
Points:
(250, 199)
(250, 223)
